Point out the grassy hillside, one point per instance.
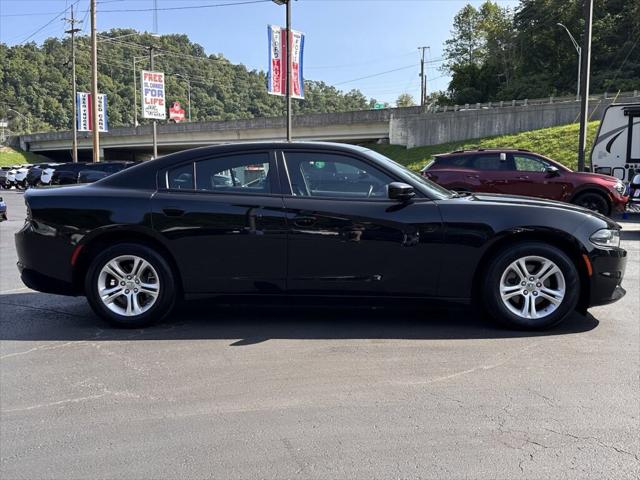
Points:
(557, 143)
(10, 157)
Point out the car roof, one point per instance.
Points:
(472, 151)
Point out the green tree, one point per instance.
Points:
(405, 100)
(36, 81)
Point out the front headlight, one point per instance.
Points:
(606, 238)
(620, 187)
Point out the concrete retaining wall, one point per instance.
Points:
(434, 128)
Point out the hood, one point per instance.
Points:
(517, 200)
(598, 177)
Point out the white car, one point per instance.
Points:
(47, 175)
(11, 177)
(21, 176)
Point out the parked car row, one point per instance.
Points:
(22, 177)
(521, 172)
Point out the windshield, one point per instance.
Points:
(434, 189)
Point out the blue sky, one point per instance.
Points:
(345, 39)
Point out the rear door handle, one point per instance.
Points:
(304, 221)
(524, 177)
(173, 212)
(473, 176)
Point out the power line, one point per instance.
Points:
(375, 74)
(188, 7)
(58, 15)
(123, 10)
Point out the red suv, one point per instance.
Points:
(521, 172)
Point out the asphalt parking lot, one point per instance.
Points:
(276, 392)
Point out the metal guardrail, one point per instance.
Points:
(434, 108)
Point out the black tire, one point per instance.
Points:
(593, 201)
(164, 301)
(491, 289)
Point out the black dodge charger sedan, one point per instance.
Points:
(311, 219)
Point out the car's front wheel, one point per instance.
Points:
(130, 285)
(593, 201)
(531, 286)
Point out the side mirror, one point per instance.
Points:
(400, 191)
(552, 171)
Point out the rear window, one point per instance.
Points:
(452, 161)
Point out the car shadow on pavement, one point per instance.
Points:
(41, 317)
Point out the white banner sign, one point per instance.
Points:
(85, 117)
(277, 72)
(153, 102)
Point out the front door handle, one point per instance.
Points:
(523, 177)
(304, 221)
(173, 212)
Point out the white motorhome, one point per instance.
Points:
(616, 150)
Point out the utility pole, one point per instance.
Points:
(584, 82)
(135, 95)
(155, 123)
(188, 80)
(423, 78)
(95, 134)
(74, 144)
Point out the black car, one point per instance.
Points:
(3, 177)
(311, 219)
(35, 172)
(69, 173)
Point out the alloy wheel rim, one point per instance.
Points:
(128, 285)
(532, 287)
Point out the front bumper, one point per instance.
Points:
(608, 268)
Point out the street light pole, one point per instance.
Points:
(584, 79)
(23, 116)
(95, 134)
(74, 121)
(287, 48)
(155, 123)
(289, 126)
(579, 50)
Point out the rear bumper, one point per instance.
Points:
(608, 271)
(43, 283)
(44, 259)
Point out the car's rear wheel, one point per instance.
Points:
(130, 285)
(593, 201)
(531, 286)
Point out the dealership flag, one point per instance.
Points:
(85, 117)
(277, 76)
(153, 103)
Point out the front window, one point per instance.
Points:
(334, 175)
(527, 163)
(434, 190)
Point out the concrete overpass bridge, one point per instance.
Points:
(130, 143)
(411, 127)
